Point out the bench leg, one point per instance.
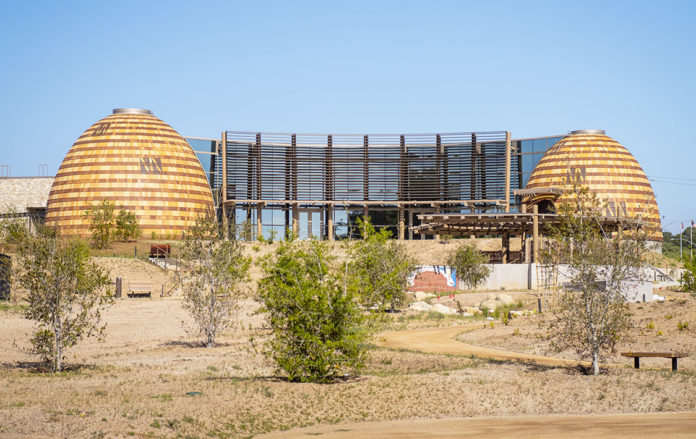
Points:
(674, 364)
(636, 362)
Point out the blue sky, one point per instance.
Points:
(533, 68)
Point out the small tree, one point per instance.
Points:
(592, 315)
(67, 292)
(127, 225)
(311, 311)
(470, 265)
(101, 222)
(380, 268)
(213, 285)
(688, 279)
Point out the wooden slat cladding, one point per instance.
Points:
(607, 168)
(140, 163)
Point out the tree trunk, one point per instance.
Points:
(57, 347)
(595, 362)
(58, 359)
(211, 318)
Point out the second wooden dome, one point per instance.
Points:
(607, 168)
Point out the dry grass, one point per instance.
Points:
(656, 328)
(135, 383)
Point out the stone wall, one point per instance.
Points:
(18, 193)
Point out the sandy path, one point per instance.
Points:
(637, 425)
(441, 341)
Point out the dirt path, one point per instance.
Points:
(441, 341)
(637, 425)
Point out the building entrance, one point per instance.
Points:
(311, 224)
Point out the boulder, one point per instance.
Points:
(420, 306)
(490, 296)
(505, 299)
(442, 309)
(490, 304)
(420, 295)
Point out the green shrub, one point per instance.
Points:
(470, 264)
(127, 226)
(313, 315)
(380, 268)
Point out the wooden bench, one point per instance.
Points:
(636, 357)
(140, 288)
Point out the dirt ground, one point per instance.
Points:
(138, 381)
(672, 425)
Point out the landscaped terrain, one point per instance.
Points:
(149, 378)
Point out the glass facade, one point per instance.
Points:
(529, 152)
(304, 168)
(206, 151)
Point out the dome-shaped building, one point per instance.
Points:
(141, 164)
(606, 168)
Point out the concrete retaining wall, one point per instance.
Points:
(525, 276)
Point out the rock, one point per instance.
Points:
(490, 296)
(472, 310)
(442, 309)
(490, 304)
(420, 295)
(505, 299)
(420, 306)
(524, 312)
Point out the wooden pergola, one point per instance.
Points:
(504, 225)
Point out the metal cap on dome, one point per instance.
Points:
(131, 111)
(587, 132)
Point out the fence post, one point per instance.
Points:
(119, 283)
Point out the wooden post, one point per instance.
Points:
(473, 157)
(223, 183)
(527, 251)
(506, 247)
(410, 222)
(259, 211)
(330, 222)
(293, 187)
(259, 193)
(402, 226)
(296, 219)
(328, 187)
(508, 161)
(366, 170)
(403, 170)
(535, 232)
(119, 286)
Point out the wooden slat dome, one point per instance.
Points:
(137, 161)
(607, 168)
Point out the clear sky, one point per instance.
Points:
(533, 68)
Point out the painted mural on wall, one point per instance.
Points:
(433, 278)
